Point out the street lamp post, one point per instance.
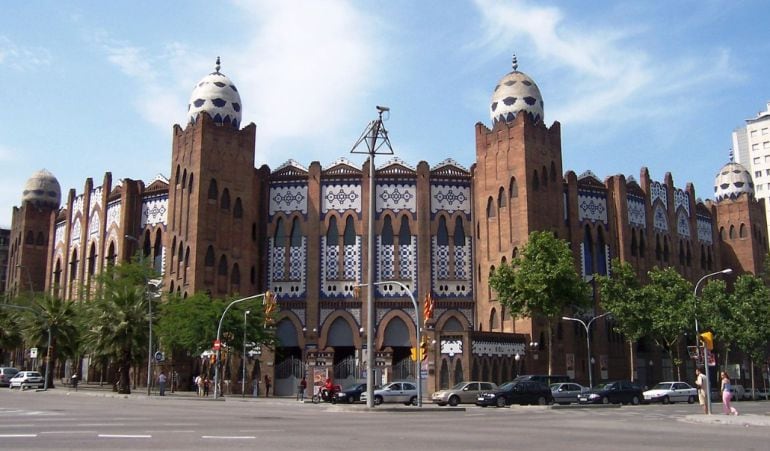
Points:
(705, 349)
(243, 375)
(587, 327)
(374, 131)
(219, 333)
(370, 332)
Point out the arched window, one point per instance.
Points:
(40, 241)
(601, 253)
(535, 180)
(459, 232)
(225, 205)
(210, 258)
(279, 238)
(545, 177)
(588, 246)
(238, 209)
(222, 271)
(666, 252)
(296, 234)
(332, 235)
(30, 238)
(513, 188)
(442, 236)
(387, 232)
(213, 190)
(641, 244)
(722, 233)
(350, 232)
(633, 243)
(493, 320)
(742, 232)
(176, 177)
(501, 198)
(658, 249)
(732, 232)
(553, 171)
(235, 277)
(490, 208)
(689, 254)
(184, 178)
(404, 234)
(190, 184)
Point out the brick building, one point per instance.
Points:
(219, 224)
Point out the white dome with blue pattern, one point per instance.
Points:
(516, 92)
(732, 181)
(216, 95)
(42, 190)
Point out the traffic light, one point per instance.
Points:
(708, 340)
(424, 350)
(213, 358)
(427, 311)
(269, 302)
(413, 353)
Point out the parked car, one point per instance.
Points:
(740, 393)
(6, 373)
(545, 378)
(616, 392)
(27, 379)
(759, 393)
(671, 392)
(351, 393)
(517, 392)
(463, 392)
(566, 392)
(405, 392)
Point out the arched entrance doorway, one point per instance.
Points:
(340, 338)
(289, 367)
(397, 337)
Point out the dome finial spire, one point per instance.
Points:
(515, 63)
(216, 68)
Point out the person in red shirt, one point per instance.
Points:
(328, 390)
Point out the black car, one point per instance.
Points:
(615, 392)
(351, 393)
(517, 392)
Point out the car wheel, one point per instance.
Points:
(377, 400)
(635, 401)
(605, 400)
(501, 402)
(691, 400)
(413, 401)
(541, 401)
(454, 400)
(351, 399)
(666, 400)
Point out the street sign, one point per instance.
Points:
(159, 357)
(33, 353)
(217, 345)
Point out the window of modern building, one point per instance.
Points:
(757, 174)
(754, 147)
(753, 134)
(764, 131)
(756, 160)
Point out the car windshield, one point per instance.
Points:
(507, 386)
(663, 386)
(355, 387)
(603, 386)
(555, 386)
(459, 386)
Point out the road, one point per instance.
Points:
(61, 420)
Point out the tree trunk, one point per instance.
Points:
(124, 381)
(631, 352)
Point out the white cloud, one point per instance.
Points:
(607, 72)
(22, 58)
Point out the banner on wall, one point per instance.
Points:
(570, 361)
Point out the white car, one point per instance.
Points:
(27, 379)
(671, 392)
(405, 392)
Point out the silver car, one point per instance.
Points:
(566, 392)
(405, 392)
(670, 392)
(464, 392)
(27, 379)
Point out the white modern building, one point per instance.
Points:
(751, 147)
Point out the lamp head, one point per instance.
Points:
(727, 271)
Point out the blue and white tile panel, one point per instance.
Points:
(95, 200)
(341, 198)
(683, 224)
(77, 205)
(450, 198)
(705, 232)
(681, 199)
(288, 199)
(443, 283)
(496, 349)
(154, 210)
(295, 286)
(592, 206)
(396, 197)
(332, 285)
(658, 191)
(637, 215)
(407, 270)
(659, 219)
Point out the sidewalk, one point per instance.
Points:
(741, 420)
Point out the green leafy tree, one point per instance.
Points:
(715, 312)
(541, 282)
(668, 297)
(621, 295)
(751, 310)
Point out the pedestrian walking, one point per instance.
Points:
(267, 385)
(301, 389)
(727, 395)
(74, 380)
(702, 385)
(162, 383)
(206, 385)
(255, 387)
(199, 385)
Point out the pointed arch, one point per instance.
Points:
(225, 203)
(332, 234)
(459, 232)
(296, 233)
(213, 190)
(349, 238)
(387, 231)
(442, 235)
(501, 198)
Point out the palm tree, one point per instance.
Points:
(62, 319)
(118, 328)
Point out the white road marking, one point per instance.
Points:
(123, 436)
(17, 435)
(230, 437)
(67, 432)
(169, 431)
(100, 424)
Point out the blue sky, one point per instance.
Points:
(90, 87)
